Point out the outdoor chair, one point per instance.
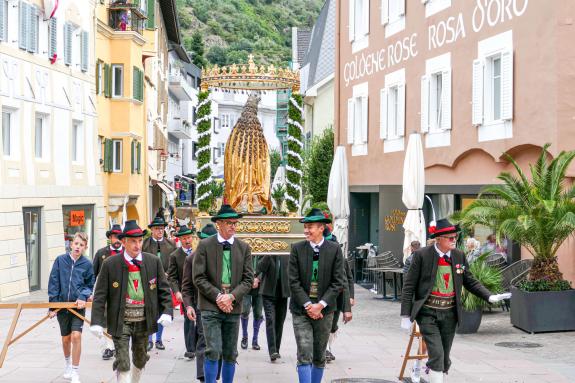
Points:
(496, 260)
(513, 274)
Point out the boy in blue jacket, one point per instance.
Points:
(71, 280)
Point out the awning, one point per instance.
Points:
(168, 190)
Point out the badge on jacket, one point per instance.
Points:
(152, 283)
(115, 285)
(459, 269)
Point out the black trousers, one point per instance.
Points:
(438, 330)
(199, 345)
(275, 309)
(190, 334)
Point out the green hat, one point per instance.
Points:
(208, 231)
(184, 230)
(315, 215)
(158, 221)
(225, 212)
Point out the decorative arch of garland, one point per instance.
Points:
(294, 158)
(203, 124)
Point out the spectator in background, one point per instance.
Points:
(414, 245)
(472, 249)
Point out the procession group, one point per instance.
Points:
(134, 284)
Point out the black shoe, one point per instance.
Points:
(244, 343)
(107, 354)
(255, 345)
(150, 346)
(275, 356)
(160, 345)
(329, 356)
(189, 355)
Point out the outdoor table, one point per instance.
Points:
(394, 271)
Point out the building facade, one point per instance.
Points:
(49, 172)
(475, 79)
(120, 95)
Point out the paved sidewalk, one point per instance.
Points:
(371, 346)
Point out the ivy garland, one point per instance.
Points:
(294, 158)
(203, 124)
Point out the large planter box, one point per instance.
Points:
(543, 311)
(469, 322)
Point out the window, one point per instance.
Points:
(40, 136)
(3, 20)
(435, 6)
(436, 99)
(136, 155)
(117, 156)
(222, 148)
(194, 150)
(215, 124)
(393, 16)
(77, 142)
(7, 133)
(492, 94)
(117, 80)
(100, 86)
(225, 120)
(215, 155)
(358, 24)
(357, 120)
(392, 111)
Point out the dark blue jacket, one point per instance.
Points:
(70, 280)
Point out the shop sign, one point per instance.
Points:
(77, 218)
(394, 219)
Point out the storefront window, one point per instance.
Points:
(79, 218)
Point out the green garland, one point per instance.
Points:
(294, 158)
(204, 152)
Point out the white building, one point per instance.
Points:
(50, 184)
(229, 108)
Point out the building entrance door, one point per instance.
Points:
(32, 242)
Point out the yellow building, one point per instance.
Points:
(131, 76)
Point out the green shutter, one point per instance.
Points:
(139, 157)
(135, 78)
(98, 64)
(85, 51)
(53, 37)
(106, 155)
(23, 25)
(151, 24)
(141, 85)
(107, 80)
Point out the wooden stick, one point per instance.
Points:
(10, 334)
(30, 328)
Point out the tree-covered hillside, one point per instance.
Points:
(232, 29)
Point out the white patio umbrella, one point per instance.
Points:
(413, 193)
(124, 212)
(338, 197)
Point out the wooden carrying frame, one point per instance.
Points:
(57, 306)
(415, 333)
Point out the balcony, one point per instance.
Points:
(180, 129)
(127, 16)
(179, 86)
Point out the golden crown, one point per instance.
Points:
(250, 76)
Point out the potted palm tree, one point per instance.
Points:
(539, 214)
(473, 306)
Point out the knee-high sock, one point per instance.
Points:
(304, 373)
(245, 327)
(435, 376)
(210, 370)
(257, 324)
(228, 371)
(316, 374)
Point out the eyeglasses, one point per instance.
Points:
(231, 223)
(451, 238)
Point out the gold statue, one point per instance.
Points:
(247, 163)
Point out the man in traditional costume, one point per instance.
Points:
(431, 295)
(317, 277)
(134, 291)
(223, 274)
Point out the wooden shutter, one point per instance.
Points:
(133, 157)
(53, 37)
(383, 114)
(384, 12)
(151, 10)
(350, 120)
(425, 104)
(23, 20)
(135, 78)
(477, 92)
(67, 44)
(32, 29)
(401, 110)
(401, 7)
(107, 80)
(364, 120)
(2, 20)
(85, 51)
(507, 85)
(107, 155)
(446, 100)
(98, 64)
(351, 26)
(139, 157)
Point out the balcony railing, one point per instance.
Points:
(179, 86)
(180, 129)
(127, 15)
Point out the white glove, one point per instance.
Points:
(165, 320)
(98, 331)
(406, 323)
(499, 297)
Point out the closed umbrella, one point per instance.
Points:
(338, 197)
(413, 193)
